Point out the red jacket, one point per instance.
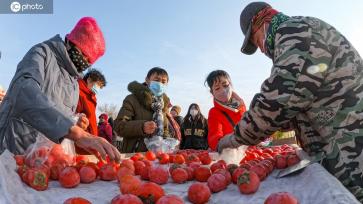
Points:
(219, 125)
(87, 104)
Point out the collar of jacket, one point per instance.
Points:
(84, 88)
(57, 45)
(223, 107)
(144, 95)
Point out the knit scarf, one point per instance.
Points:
(276, 21)
(157, 105)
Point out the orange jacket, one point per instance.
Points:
(87, 103)
(219, 125)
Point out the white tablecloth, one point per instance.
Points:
(313, 186)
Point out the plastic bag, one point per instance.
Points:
(233, 156)
(154, 143)
(45, 152)
(158, 144)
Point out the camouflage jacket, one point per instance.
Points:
(316, 85)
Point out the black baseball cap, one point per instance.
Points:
(247, 15)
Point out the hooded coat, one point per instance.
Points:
(41, 99)
(135, 111)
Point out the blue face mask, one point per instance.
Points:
(95, 89)
(157, 88)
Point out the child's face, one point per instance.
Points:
(221, 83)
(159, 78)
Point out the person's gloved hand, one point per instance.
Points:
(228, 141)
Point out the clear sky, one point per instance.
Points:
(189, 38)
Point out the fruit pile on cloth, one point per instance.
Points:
(313, 186)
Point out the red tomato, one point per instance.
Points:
(87, 174)
(108, 172)
(192, 158)
(179, 175)
(150, 192)
(205, 158)
(281, 197)
(217, 183)
(202, 174)
(292, 159)
(236, 173)
(159, 175)
(217, 166)
(36, 178)
(137, 156)
(129, 184)
(171, 158)
(179, 159)
(281, 161)
(260, 170)
(163, 158)
(57, 168)
(94, 167)
(150, 156)
(19, 159)
(69, 177)
(170, 199)
(248, 182)
(190, 172)
(199, 193)
(77, 200)
(226, 175)
(173, 167)
(126, 199)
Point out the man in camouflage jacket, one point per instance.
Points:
(315, 87)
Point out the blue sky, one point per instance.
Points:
(188, 38)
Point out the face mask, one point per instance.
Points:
(78, 60)
(193, 112)
(95, 89)
(157, 88)
(223, 95)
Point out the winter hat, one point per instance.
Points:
(88, 37)
(104, 116)
(176, 109)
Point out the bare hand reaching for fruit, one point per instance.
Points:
(98, 146)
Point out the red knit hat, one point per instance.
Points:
(88, 37)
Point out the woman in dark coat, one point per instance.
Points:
(194, 129)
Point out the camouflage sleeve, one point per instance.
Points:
(297, 73)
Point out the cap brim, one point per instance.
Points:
(248, 48)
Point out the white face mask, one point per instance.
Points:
(224, 95)
(193, 112)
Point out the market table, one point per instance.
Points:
(314, 185)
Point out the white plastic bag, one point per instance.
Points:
(158, 144)
(233, 156)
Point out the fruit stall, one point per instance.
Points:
(48, 175)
